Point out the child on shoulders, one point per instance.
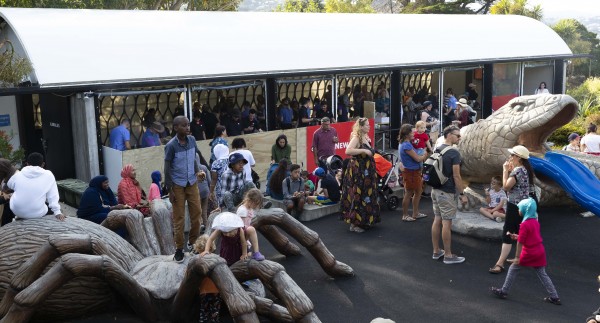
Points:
(496, 199)
(210, 302)
(230, 228)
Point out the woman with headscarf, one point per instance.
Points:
(155, 191)
(130, 192)
(97, 201)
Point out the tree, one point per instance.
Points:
(301, 6)
(13, 68)
(349, 6)
(438, 6)
(517, 7)
(192, 5)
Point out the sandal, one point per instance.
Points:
(408, 218)
(420, 216)
(497, 269)
(357, 229)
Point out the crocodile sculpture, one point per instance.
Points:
(527, 121)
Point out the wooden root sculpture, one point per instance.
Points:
(46, 264)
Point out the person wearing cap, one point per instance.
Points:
(234, 184)
(517, 182)
(328, 191)
(573, 145)
(590, 143)
(150, 138)
(324, 140)
(181, 176)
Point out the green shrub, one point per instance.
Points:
(561, 135)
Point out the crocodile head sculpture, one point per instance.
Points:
(525, 120)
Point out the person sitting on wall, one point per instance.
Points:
(234, 126)
(97, 201)
(129, 191)
(150, 138)
(33, 186)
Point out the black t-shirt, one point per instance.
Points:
(246, 123)
(333, 189)
(303, 113)
(197, 129)
(234, 128)
(210, 123)
(451, 157)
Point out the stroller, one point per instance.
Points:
(386, 166)
(331, 164)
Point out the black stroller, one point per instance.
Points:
(384, 183)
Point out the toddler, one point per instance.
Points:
(421, 139)
(252, 202)
(309, 186)
(496, 199)
(210, 302)
(230, 228)
(530, 252)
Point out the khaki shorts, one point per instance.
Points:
(445, 204)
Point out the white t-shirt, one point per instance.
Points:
(247, 168)
(246, 214)
(592, 143)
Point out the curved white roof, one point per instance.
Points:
(87, 47)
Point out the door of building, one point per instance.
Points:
(57, 135)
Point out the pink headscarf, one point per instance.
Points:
(129, 191)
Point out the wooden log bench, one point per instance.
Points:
(311, 211)
(70, 191)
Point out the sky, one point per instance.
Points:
(568, 8)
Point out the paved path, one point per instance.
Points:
(397, 279)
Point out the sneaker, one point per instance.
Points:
(499, 219)
(555, 301)
(190, 247)
(498, 292)
(453, 260)
(178, 255)
(258, 256)
(438, 255)
(202, 228)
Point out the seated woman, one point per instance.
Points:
(280, 150)
(276, 180)
(130, 192)
(155, 192)
(6, 172)
(97, 201)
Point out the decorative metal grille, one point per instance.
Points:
(234, 94)
(113, 109)
(417, 80)
(294, 91)
(37, 111)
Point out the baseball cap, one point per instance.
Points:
(236, 157)
(320, 172)
(573, 136)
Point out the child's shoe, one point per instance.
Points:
(258, 256)
(498, 292)
(555, 301)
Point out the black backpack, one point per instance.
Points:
(433, 174)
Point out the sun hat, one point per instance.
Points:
(221, 151)
(320, 172)
(573, 136)
(236, 157)
(227, 221)
(462, 102)
(520, 151)
(158, 127)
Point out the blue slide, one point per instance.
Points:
(573, 176)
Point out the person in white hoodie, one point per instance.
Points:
(32, 187)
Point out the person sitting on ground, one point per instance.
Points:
(218, 167)
(33, 186)
(129, 191)
(234, 184)
(210, 302)
(293, 191)
(329, 192)
(7, 170)
(309, 186)
(496, 199)
(275, 189)
(233, 239)
(151, 137)
(573, 145)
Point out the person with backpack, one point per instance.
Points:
(293, 191)
(442, 172)
(411, 174)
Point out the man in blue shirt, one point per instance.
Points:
(286, 114)
(119, 136)
(181, 174)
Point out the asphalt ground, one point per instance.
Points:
(396, 278)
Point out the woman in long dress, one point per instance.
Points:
(360, 207)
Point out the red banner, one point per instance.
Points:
(344, 129)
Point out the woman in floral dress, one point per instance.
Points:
(360, 207)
